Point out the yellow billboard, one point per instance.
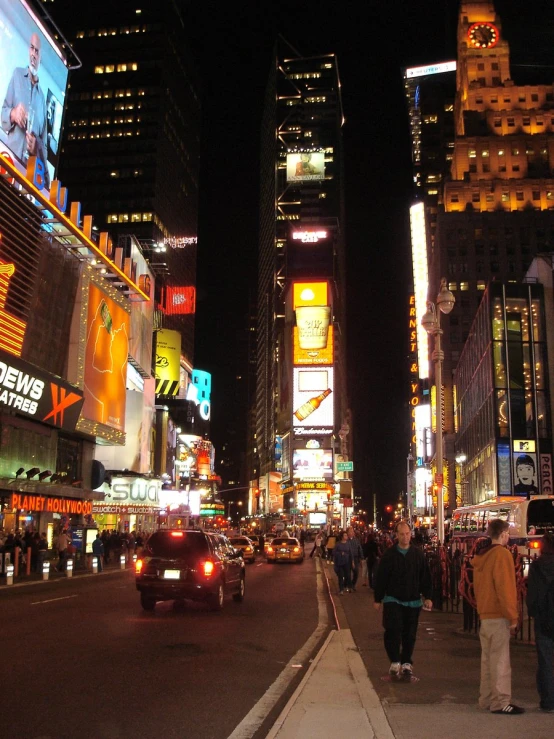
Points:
(322, 355)
(168, 362)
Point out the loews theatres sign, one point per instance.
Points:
(35, 394)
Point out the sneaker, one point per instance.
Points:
(407, 668)
(394, 668)
(510, 710)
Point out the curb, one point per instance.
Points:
(27, 583)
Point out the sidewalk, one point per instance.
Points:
(347, 688)
(35, 578)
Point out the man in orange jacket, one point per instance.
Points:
(494, 582)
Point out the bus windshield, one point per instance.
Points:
(540, 517)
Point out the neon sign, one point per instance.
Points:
(421, 283)
(12, 330)
(309, 237)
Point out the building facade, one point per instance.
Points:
(496, 208)
(301, 394)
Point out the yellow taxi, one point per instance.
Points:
(246, 546)
(268, 538)
(284, 550)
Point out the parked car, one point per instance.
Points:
(181, 565)
(246, 546)
(286, 549)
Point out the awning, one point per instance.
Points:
(10, 485)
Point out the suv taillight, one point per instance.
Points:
(138, 566)
(208, 568)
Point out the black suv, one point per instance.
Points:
(179, 564)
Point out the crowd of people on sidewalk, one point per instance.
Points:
(396, 568)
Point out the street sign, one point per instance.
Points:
(345, 466)
(293, 511)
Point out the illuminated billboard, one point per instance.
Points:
(422, 415)
(421, 283)
(304, 166)
(309, 293)
(312, 397)
(35, 394)
(307, 356)
(168, 362)
(309, 236)
(33, 79)
(312, 463)
(439, 68)
(179, 301)
(106, 352)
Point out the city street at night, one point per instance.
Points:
(83, 659)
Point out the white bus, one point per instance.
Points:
(528, 519)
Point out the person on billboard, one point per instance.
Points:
(24, 110)
(525, 474)
(305, 166)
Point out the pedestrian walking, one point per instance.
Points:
(330, 545)
(316, 550)
(494, 583)
(98, 551)
(540, 604)
(402, 578)
(62, 544)
(371, 555)
(357, 556)
(342, 561)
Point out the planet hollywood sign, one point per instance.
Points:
(43, 504)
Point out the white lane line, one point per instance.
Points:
(258, 714)
(51, 600)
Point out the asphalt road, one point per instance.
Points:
(80, 658)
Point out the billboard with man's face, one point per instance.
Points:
(33, 79)
(303, 166)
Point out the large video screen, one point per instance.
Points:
(312, 463)
(312, 397)
(304, 166)
(33, 80)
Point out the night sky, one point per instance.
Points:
(232, 45)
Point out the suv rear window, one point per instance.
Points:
(164, 544)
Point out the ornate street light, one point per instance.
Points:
(431, 323)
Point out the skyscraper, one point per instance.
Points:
(130, 149)
(497, 206)
(301, 295)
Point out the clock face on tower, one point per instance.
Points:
(483, 35)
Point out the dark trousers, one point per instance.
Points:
(343, 574)
(355, 571)
(400, 624)
(545, 668)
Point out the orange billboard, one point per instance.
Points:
(322, 355)
(106, 351)
(310, 293)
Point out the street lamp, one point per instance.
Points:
(431, 323)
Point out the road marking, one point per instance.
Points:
(258, 714)
(261, 564)
(51, 600)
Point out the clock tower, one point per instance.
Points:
(483, 56)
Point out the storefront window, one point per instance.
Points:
(497, 320)
(537, 322)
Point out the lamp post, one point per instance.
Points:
(431, 323)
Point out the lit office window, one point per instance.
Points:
(481, 285)
(464, 285)
(98, 70)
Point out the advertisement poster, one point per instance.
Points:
(106, 352)
(33, 79)
(168, 362)
(312, 397)
(525, 474)
(304, 166)
(312, 463)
